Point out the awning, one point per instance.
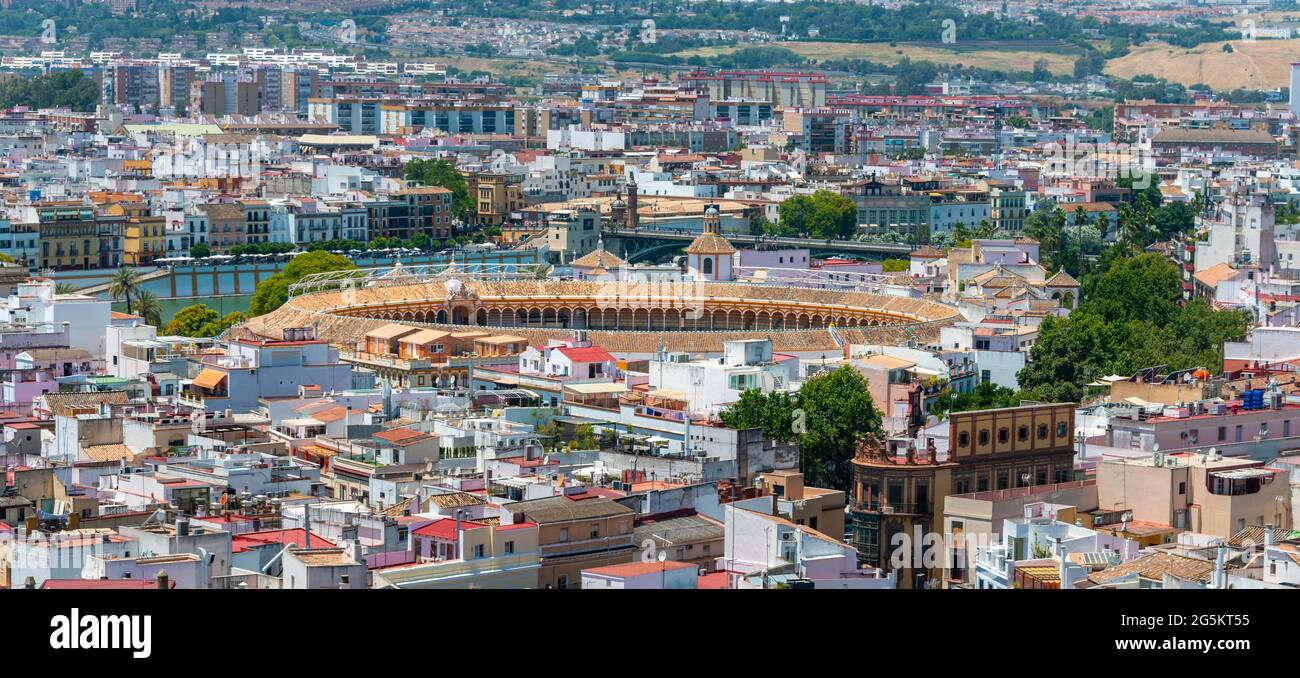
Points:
(209, 378)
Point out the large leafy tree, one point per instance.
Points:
(189, 320)
(197, 320)
(63, 89)
(1131, 317)
(826, 418)
(824, 214)
(274, 291)
(443, 173)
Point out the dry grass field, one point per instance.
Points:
(1261, 64)
(999, 58)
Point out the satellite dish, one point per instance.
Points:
(663, 556)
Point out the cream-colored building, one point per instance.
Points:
(1199, 493)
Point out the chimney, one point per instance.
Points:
(29, 583)
(161, 578)
(1218, 581)
(1268, 535)
(306, 525)
(459, 544)
(343, 581)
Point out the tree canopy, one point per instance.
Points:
(272, 292)
(1130, 317)
(824, 214)
(826, 418)
(61, 89)
(443, 173)
(197, 320)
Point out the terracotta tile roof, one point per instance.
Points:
(1061, 279)
(1155, 566)
(402, 436)
(600, 258)
(1212, 276)
(63, 404)
(110, 452)
(455, 500)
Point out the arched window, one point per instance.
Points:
(707, 266)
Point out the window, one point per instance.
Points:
(1042, 431)
(564, 534)
(1223, 433)
(707, 266)
(478, 550)
(1182, 488)
(984, 436)
(1022, 433)
(963, 439)
(595, 531)
(1061, 429)
(1004, 434)
(510, 547)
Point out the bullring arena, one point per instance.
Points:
(621, 316)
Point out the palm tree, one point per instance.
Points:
(64, 288)
(148, 307)
(124, 283)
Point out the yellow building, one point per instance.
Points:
(495, 197)
(144, 236)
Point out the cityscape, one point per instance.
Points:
(696, 294)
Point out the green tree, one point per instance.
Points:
(772, 412)
(124, 283)
(830, 413)
(148, 307)
(824, 214)
(1130, 317)
(189, 321)
(200, 250)
(443, 173)
(584, 437)
(837, 409)
(62, 89)
(272, 292)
